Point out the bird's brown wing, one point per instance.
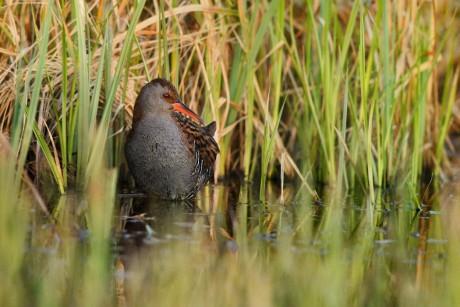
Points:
(200, 141)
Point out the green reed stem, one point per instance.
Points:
(21, 136)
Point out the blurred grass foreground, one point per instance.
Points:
(328, 96)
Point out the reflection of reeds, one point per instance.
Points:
(449, 201)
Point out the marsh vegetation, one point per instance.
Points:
(333, 122)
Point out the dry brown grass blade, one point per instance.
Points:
(168, 14)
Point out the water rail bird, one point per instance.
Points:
(170, 151)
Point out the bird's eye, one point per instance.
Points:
(166, 96)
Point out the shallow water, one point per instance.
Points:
(389, 251)
(228, 247)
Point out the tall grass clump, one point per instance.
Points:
(360, 83)
(387, 70)
(62, 107)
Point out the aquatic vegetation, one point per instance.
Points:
(343, 96)
(360, 83)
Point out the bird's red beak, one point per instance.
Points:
(180, 107)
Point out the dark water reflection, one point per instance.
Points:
(231, 238)
(383, 249)
(148, 223)
(228, 213)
